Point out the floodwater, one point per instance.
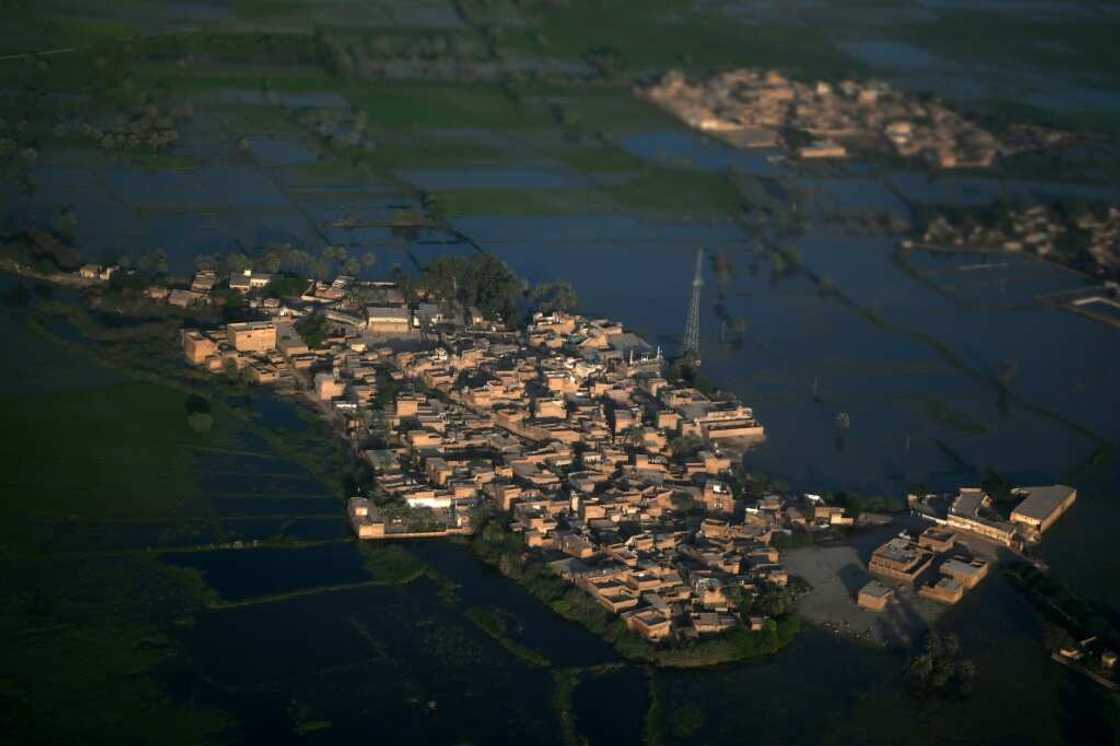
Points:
(491, 177)
(325, 664)
(237, 574)
(945, 364)
(684, 150)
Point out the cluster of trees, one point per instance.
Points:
(1069, 618)
(41, 251)
(486, 283)
(685, 369)
(551, 297)
(146, 127)
(939, 669)
(292, 260)
(685, 447)
(772, 601)
(480, 280)
(313, 329)
(857, 504)
(199, 416)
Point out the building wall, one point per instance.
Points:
(252, 338)
(715, 432)
(390, 328)
(988, 531)
(197, 348)
(872, 602)
(891, 570)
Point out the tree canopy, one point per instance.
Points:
(553, 296)
(481, 280)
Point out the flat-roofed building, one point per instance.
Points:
(262, 373)
(389, 320)
(900, 559)
(937, 540)
(946, 591)
(289, 342)
(197, 347)
(965, 514)
(204, 282)
(1042, 506)
(327, 387)
(875, 596)
(184, 298)
(364, 519)
(967, 573)
(712, 623)
(252, 336)
(243, 282)
(651, 623)
(997, 531)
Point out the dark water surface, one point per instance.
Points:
(946, 366)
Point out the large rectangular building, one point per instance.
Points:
(252, 336)
(1042, 506)
(389, 320)
(965, 514)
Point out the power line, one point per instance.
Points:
(692, 326)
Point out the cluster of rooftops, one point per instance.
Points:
(754, 108)
(972, 510)
(568, 428)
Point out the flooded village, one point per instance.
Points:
(599, 455)
(752, 108)
(277, 476)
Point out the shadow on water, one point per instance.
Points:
(238, 574)
(565, 643)
(395, 662)
(610, 707)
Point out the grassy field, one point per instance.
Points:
(124, 452)
(88, 631)
(1084, 42)
(661, 33)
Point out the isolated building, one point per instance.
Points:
(875, 596)
(1042, 505)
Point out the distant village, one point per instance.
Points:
(1086, 238)
(763, 109)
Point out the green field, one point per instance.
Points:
(88, 630)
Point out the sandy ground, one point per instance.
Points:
(836, 574)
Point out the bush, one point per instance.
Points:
(200, 422)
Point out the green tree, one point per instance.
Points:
(686, 446)
(237, 262)
(66, 225)
(553, 296)
(939, 668)
(154, 262)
